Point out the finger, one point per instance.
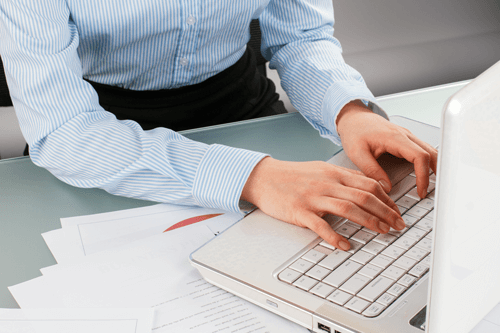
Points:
(373, 205)
(354, 213)
(369, 185)
(413, 153)
(367, 163)
(325, 231)
(428, 148)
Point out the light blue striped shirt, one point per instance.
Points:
(48, 46)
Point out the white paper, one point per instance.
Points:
(152, 272)
(85, 235)
(76, 320)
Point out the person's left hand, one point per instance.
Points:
(365, 136)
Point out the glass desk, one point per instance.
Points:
(32, 200)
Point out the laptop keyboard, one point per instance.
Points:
(378, 268)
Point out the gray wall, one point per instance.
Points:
(397, 45)
(400, 45)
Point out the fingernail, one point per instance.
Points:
(344, 245)
(383, 226)
(385, 185)
(400, 224)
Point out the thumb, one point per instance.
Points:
(367, 163)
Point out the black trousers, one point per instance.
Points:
(240, 92)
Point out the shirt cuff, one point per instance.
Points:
(338, 95)
(221, 176)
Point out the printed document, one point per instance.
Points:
(76, 320)
(152, 272)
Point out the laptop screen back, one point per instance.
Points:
(465, 275)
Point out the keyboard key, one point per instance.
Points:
(425, 244)
(386, 299)
(401, 209)
(324, 243)
(405, 242)
(375, 288)
(357, 304)
(355, 246)
(382, 261)
(407, 280)
(289, 275)
(416, 233)
(417, 212)
(313, 256)
(370, 271)
(385, 239)
(427, 260)
(373, 310)
(318, 272)
(432, 178)
(393, 251)
(393, 272)
(409, 220)
(431, 195)
(334, 259)
(396, 289)
(424, 224)
(362, 257)
(374, 247)
(406, 201)
(419, 270)
(305, 283)
(413, 194)
(322, 290)
(363, 237)
(353, 224)
(324, 250)
(405, 263)
(355, 283)
(340, 297)
(431, 187)
(333, 220)
(430, 215)
(397, 233)
(399, 189)
(301, 265)
(346, 230)
(429, 235)
(416, 253)
(369, 230)
(342, 273)
(426, 203)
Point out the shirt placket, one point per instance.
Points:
(188, 41)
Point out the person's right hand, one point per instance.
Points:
(301, 193)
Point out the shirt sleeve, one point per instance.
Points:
(83, 145)
(297, 39)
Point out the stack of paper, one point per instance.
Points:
(128, 259)
(75, 320)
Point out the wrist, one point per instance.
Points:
(349, 109)
(250, 192)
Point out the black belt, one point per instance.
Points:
(240, 92)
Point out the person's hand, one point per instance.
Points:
(301, 193)
(365, 136)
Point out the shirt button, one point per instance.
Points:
(191, 20)
(183, 61)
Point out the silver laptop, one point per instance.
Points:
(440, 274)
